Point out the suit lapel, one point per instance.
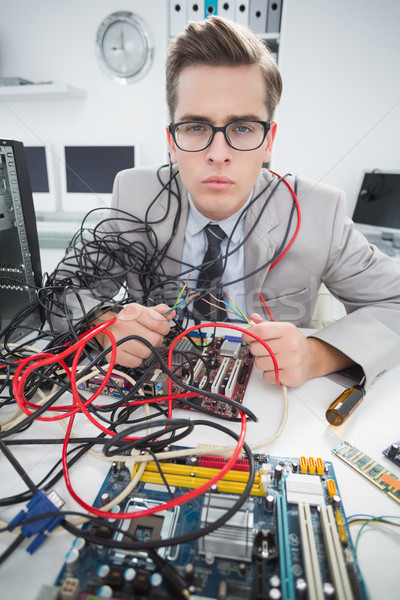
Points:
(259, 248)
(172, 261)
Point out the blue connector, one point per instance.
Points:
(41, 504)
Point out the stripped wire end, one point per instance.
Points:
(179, 304)
(234, 311)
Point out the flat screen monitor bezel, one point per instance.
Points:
(46, 202)
(361, 223)
(83, 202)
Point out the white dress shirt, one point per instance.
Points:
(195, 246)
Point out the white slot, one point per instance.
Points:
(230, 386)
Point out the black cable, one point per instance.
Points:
(161, 472)
(12, 547)
(18, 467)
(151, 440)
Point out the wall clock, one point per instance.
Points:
(124, 47)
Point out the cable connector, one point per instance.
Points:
(170, 574)
(41, 504)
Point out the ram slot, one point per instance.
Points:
(220, 376)
(310, 556)
(230, 386)
(337, 566)
(285, 560)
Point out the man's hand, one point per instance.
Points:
(134, 319)
(299, 358)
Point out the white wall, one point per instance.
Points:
(340, 111)
(47, 40)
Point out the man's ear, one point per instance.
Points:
(172, 147)
(270, 141)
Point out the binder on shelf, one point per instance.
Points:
(210, 8)
(177, 16)
(274, 16)
(195, 10)
(226, 9)
(258, 12)
(242, 12)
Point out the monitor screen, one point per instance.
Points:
(89, 172)
(39, 159)
(37, 167)
(378, 202)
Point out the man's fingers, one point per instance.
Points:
(149, 318)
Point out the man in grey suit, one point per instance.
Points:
(222, 90)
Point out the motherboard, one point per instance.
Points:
(218, 364)
(288, 538)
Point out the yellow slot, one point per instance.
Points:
(331, 488)
(311, 465)
(303, 464)
(320, 466)
(193, 477)
(205, 472)
(341, 527)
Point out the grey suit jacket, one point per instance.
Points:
(326, 250)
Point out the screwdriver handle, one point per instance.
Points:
(344, 405)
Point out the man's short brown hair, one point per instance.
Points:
(220, 42)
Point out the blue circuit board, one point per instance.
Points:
(288, 540)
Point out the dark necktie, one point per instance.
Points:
(209, 278)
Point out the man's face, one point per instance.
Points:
(219, 178)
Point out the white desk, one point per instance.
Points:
(374, 425)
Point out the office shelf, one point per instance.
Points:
(41, 91)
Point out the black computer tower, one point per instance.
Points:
(20, 267)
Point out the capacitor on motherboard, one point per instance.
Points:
(129, 574)
(105, 592)
(329, 591)
(72, 559)
(393, 450)
(274, 594)
(301, 588)
(105, 498)
(270, 502)
(79, 544)
(274, 581)
(189, 572)
(156, 580)
(278, 472)
(336, 502)
(103, 571)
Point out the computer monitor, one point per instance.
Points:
(40, 161)
(378, 203)
(88, 172)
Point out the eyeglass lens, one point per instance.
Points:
(241, 135)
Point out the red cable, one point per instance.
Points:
(38, 361)
(291, 241)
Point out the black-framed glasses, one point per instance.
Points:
(195, 136)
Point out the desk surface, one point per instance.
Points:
(374, 426)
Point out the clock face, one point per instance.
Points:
(124, 48)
